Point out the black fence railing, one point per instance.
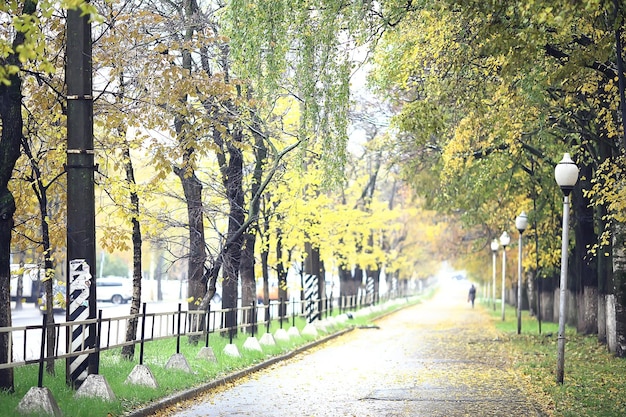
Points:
(28, 343)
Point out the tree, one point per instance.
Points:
(10, 140)
(118, 59)
(556, 93)
(41, 187)
(248, 281)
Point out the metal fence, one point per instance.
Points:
(28, 344)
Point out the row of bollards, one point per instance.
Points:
(40, 400)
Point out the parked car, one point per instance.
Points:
(117, 290)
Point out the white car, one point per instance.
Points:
(117, 290)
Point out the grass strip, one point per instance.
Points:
(594, 382)
(172, 383)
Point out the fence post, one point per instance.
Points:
(208, 328)
(98, 332)
(230, 333)
(42, 351)
(253, 312)
(143, 332)
(178, 330)
(269, 317)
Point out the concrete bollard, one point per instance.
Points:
(310, 330)
(281, 334)
(95, 386)
(207, 353)
(39, 400)
(252, 343)
(232, 350)
(268, 340)
(178, 361)
(141, 375)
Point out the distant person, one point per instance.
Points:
(472, 295)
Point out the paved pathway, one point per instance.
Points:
(440, 358)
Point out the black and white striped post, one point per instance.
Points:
(82, 337)
(310, 295)
(369, 290)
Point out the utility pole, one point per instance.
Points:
(81, 230)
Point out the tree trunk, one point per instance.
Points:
(19, 291)
(281, 271)
(358, 280)
(49, 269)
(345, 286)
(233, 180)
(619, 277)
(611, 324)
(390, 277)
(548, 299)
(321, 288)
(602, 300)
(158, 272)
(555, 307)
(585, 265)
(619, 229)
(50, 331)
(531, 294)
(40, 191)
(266, 281)
(7, 208)
(196, 285)
(10, 139)
(128, 351)
(192, 189)
(606, 300)
(248, 282)
(604, 265)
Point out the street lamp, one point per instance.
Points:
(566, 175)
(505, 239)
(521, 223)
(494, 249)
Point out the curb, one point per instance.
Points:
(188, 394)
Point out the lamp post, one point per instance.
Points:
(505, 239)
(521, 223)
(494, 250)
(566, 175)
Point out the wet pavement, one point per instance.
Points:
(439, 358)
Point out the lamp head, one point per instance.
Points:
(505, 239)
(521, 222)
(495, 245)
(566, 174)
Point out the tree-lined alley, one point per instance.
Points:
(223, 150)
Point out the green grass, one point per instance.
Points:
(594, 382)
(156, 354)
